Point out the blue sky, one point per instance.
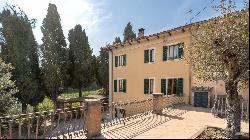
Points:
(106, 19)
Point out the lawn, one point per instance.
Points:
(47, 103)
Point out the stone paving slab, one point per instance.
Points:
(193, 121)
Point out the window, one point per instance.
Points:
(149, 56)
(120, 60)
(148, 86)
(172, 52)
(120, 85)
(173, 86)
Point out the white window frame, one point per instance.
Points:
(118, 87)
(167, 85)
(120, 56)
(149, 84)
(153, 56)
(175, 51)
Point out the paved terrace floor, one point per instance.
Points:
(180, 122)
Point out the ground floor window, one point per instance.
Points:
(120, 85)
(172, 86)
(148, 86)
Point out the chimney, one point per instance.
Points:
(141, 33)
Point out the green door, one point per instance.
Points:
(201, 99)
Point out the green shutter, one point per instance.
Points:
(124, 85)
(180, 50)
(163, 86)
(146, 86)
(146, 57)
(124, 60)
(116, 61)
(165, 53)
(115, 85)
(169, 86)
(180, 86)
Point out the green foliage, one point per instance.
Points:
(103, 69)
(117, 40)
(221, 49)
(7, 88)
(46, 105)
(20, 49)
(128, 32)
(80, 58)
(54, 53)
(74, 94)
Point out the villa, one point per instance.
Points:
(155, 64)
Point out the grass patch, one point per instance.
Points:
(75, 94)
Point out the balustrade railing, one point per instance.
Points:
(47, 124)
(120, 113)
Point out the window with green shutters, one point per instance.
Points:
(116, 61)
(163, 86)
(124, 60)
(174, 86)
(180, 86)
(165, 53)
(124, 85)
(115, 85)
(146, 86)
(180, 50)
(172, 52)
(120, 85)
(146, 56)
(120, 60)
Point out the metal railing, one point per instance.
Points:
(60, 123)
(120, 113)
(220, 106)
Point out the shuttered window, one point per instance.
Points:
(146, 56)
(165, 53)
(124, 60)
(116, 61)
(174, 86)
(124, 85)
(146, 86)
(180, 50)
(115, 85)
(163, 86)
(180, 86)
(120, 60)
(173, 52)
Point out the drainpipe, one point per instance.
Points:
(110, 76)
(190, 67)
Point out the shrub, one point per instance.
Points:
(46, 105)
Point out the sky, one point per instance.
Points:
(103, 20)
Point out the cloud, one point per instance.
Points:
(90, 14)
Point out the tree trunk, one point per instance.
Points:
(233, 109)
(80, 91)
(24, 108)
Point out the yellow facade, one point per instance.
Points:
(135, 70)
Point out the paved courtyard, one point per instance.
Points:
(180, 122)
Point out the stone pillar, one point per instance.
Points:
(157, 103)
(92, 121)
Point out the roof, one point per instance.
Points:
(127, 43)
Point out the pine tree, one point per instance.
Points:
(117, 40)
(128, 32)
(54, 53)
(103, 69)
(80, 57)
(20, 49)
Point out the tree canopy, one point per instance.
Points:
(7, 88)
(128, 32)
(19, 48)
(80, 57)
(54, 53)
